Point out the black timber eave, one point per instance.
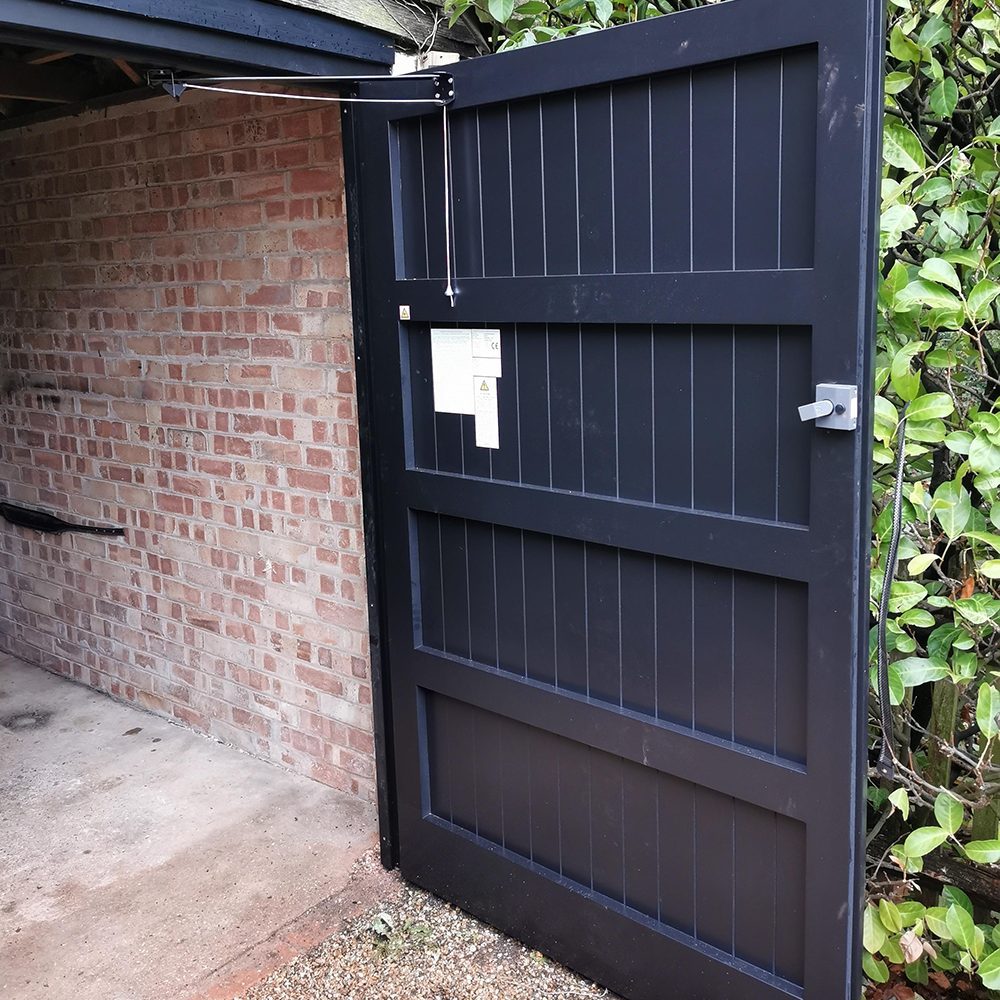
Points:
(199, 35)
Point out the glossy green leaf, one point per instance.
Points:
(901, 801)
(944, 97)
(941, 271)
(949, 813)
(873, 933)
(952, 508)
(962, 927)
(987, 710)
(927, 293)
(875, 969)
(981, 297)
(919, 564)
(916, 670)
(985, 852)
(901, 148)
(929, 406)
(924, 840)
(889, 916)
(989, 970)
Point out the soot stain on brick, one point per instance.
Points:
(29, 719)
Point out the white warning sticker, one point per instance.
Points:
(487, 411)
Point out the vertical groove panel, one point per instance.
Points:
(758, 145)
(494, 148)
(593, 116)
(454, 569)
(789, 904)
(564, 407)
(571, 623)
(466, 194)
(539, 624)
(476, 461)
(674, 642)
(754, 888)
(714, 875)
(713, 651)
(510, 599)
(421, 397)
(560, 168)
(638, 632)
(482, 593)
(712, 409)
(526, 152)
(677, 875)
(642, 842)
(440, 747)
(603, 623)
(630, 150)
(798, 158)
(753, 652)
(795, 385)
(599, 411)
(673, 408)
(755, 459)
(515, 780)
(712, 170)
(544, 779)
(607, 844)
(430, 623)
(432, 138)
(462, 764)
(411, 215)
(488, 764)
(449, 434)
(671, 155)
(574, 805)
(635, 412)
(791, 673)
(533, 403)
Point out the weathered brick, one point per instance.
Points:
(177, 272)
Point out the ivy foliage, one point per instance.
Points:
(938, 359)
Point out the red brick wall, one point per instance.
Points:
(176, 358)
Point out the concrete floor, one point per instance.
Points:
(141, 861)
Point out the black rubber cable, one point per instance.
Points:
(887, 759)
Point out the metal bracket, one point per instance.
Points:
(398, 89)
(835, 408)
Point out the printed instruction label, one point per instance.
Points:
(463, 362)
(451, 360)
(487, 412)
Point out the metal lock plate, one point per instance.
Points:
(835, 408)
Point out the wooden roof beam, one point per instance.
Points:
(42, 56)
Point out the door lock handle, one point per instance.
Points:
(835, 407)
(813, 411)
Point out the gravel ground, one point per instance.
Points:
(410, 945)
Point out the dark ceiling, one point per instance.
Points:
(33, 80)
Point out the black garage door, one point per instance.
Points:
(623, 582)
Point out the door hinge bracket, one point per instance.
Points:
(411, 88)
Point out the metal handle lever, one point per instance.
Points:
(813, 411)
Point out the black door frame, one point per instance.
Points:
(385, 774)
